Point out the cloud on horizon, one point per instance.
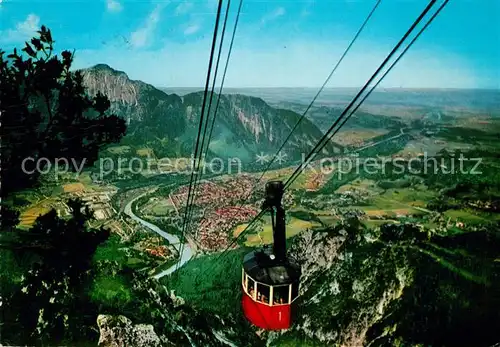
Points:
(192, 29)
(113, 6)
(276, 13)
(178, 65)
(183, 8)
(23, 31)
(275, 45)
(143, 36)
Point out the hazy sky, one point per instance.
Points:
(292, 43)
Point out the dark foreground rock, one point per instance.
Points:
(118, 331)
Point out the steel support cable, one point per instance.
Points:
(224, 74)
(313, 153)
(199, 174)
(204, 114)
(426, 10)
(358, 95)
(200, 127)
(346, 51)
(387, 72)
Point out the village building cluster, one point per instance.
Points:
(212, 231)
(98, 201)
(217, 204)
(154, 246)
(222, 192)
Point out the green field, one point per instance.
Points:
(403, 201)
(329, 220)
(377, 222)
(465, 216)
(159, 207)
(162, 267)
(293, 227)
(119, 149)
(361, 184)
(211, 283)
(417, 196)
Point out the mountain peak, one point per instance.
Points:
(106, 68)
(102, 67)
(113, 83)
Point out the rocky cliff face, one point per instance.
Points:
(348, 283)
(244, 125)
(116, 331)
(114, 84)
(142, 105)
(395, 287)
(161, 319)
(392, 286)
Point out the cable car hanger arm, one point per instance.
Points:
(272, 202)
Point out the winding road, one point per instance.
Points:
(401, 133)
(187, 252)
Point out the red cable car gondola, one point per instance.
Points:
(270, 280)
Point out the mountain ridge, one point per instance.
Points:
(245, 125)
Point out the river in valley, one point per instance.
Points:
(187, 252)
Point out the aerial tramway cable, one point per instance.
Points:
(363, 25)
(226, 66)
(198, 173)
(224, 74)
(200, 127)
(346, 51)
(327, 135)
(322, 87)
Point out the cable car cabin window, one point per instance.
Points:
(294, 291)
(280, 295)
(245, 281)
(250, 287)
(263, 292)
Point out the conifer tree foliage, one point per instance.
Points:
(45, 112)
(52, 303)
